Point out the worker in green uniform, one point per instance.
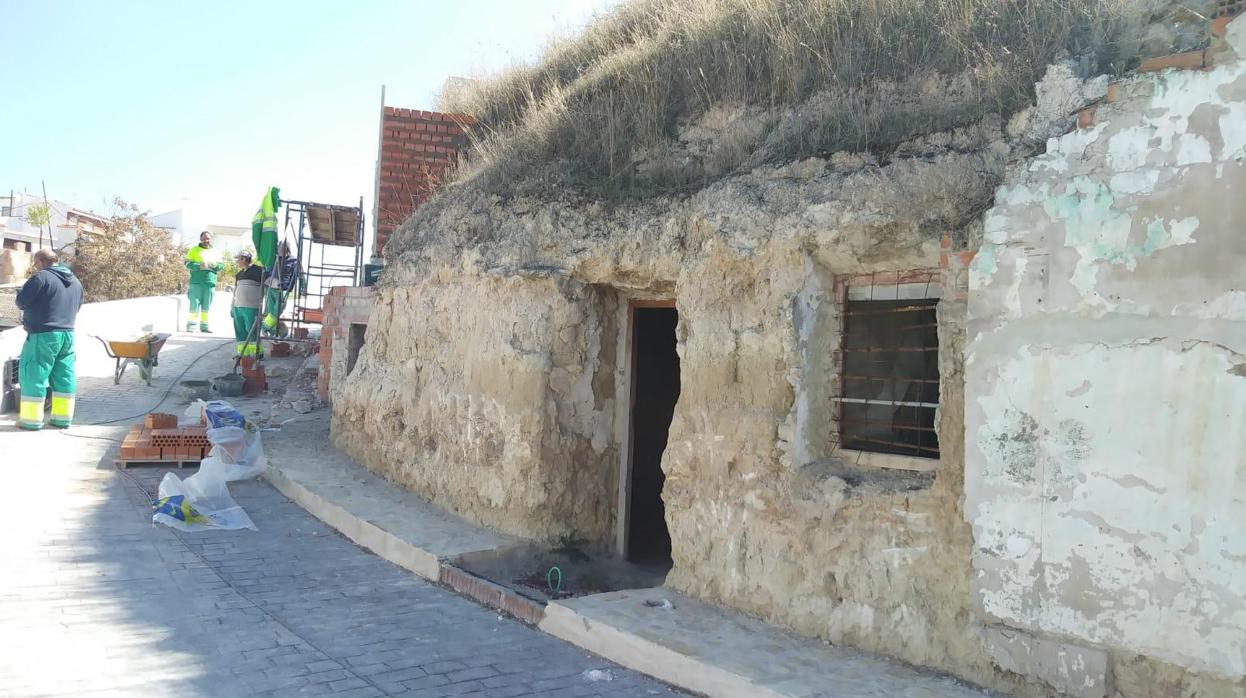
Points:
(204, 263)
(49, 302)
(248, 295)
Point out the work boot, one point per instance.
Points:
(204, 328)
(190, 327)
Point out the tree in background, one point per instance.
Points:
(39, 216)
(130, 258)
(229, 272)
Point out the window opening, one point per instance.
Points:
(889, 361)
(355, 341)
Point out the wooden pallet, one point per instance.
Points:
(157, 463)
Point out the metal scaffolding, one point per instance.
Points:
(320, 227)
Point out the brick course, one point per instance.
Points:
(417, 147)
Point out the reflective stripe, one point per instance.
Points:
(245, 348)
(62, 406)
(270, 321)
(31, 413)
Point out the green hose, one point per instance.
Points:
(549, 579)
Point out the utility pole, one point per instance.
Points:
(48, 210)
(376, 188)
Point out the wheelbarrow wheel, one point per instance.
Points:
(144, 372)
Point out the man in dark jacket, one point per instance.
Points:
(49, 302)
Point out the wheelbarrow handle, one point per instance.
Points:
(107, 348)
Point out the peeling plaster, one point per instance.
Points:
(1105, 406)
(1100, 231)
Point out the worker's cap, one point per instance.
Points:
(244, 255)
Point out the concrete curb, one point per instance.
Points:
(612, 643)
(368, 535)
(648, 657)
(697, 648)
(402, 553)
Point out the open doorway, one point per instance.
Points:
(655, 390)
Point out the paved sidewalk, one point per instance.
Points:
(95, 601)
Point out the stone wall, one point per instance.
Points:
(1106, 399)
(494, 383)
(491, 397)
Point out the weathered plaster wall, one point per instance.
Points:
(1106, 400)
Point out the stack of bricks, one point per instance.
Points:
(159, 438)
(417, 148)
(343, 307)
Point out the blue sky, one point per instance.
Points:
(211, 102)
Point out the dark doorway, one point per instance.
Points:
(655, 390)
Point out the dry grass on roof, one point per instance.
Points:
(811, 77)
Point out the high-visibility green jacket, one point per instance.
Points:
(264, 228)
(211, 257)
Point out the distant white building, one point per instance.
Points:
(66, 223)
(186, 223)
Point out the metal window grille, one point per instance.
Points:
(889, 385)
(1230, 8)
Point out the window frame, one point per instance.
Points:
(914, 284)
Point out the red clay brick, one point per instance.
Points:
(1086, 117)
(1220, 26)
(1190, 60)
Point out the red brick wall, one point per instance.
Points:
(344, 306)
(417, 147)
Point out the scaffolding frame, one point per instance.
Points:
(319, 275)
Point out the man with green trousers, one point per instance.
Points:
(49, 302)
(204, 263)
(248, 295)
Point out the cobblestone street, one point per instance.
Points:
(95, 601)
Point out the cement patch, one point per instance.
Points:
(1070, 669)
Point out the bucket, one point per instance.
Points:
(196, 390)
(228, 385)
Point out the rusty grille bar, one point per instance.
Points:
(889, 377)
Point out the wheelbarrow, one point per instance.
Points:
(143, 352)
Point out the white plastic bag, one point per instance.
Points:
(200, 502)
(237, 453)
(193, 416)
